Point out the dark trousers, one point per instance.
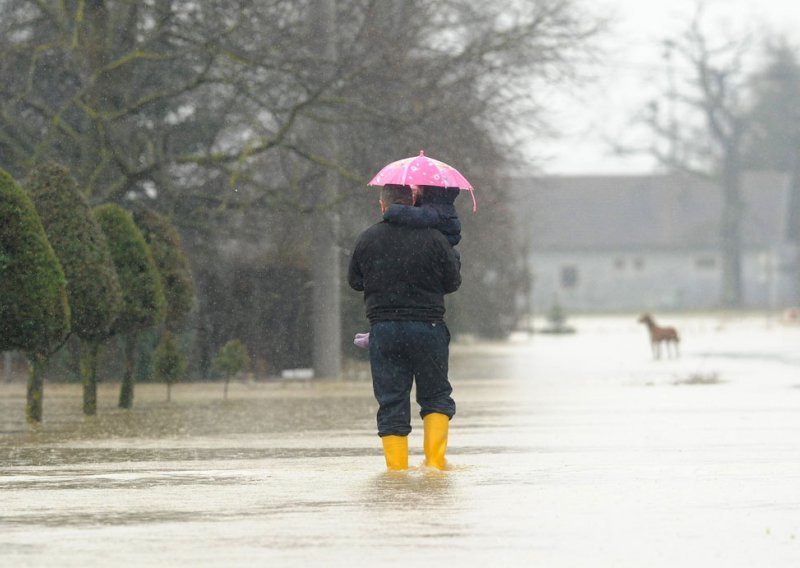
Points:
(399, 353)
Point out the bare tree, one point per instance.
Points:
(708, 140)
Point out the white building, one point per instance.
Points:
(631, 243)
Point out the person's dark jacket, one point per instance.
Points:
(435, 209)
(404, 272)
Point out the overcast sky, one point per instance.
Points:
(604, 110)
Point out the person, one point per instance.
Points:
(434, 207)
(404, 273)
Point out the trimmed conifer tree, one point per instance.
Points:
(168, 362)
(231, 360)
(143, 303)
(34, 311)
(176, 275)
(94, 293)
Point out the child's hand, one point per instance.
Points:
(361, 340)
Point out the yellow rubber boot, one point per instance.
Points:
(436, 426)
(395, 448)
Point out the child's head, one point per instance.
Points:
(435, 194)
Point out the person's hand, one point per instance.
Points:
(361, 340)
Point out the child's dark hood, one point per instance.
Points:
(445, 196)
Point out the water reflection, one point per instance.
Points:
(414, 488)
(196, 412)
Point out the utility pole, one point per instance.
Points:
(327, 326)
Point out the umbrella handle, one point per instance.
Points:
(474, 203)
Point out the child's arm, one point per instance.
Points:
(417, 217)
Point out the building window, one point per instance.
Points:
(569, 276)
(705, 262)
(638, 263)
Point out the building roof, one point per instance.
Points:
(670, 211)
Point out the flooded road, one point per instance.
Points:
(565, 451)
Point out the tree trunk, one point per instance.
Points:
(35, 394)
(73, 347)
(7, 362)
(731, 233)
(327, 332)
(169, 391)
(89, 349)
(327, 302)
(126, 390)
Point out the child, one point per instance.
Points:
(434, 208)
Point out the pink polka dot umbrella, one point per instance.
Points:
(422, 170)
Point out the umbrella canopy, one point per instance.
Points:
(422, 170)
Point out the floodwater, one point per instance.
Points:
(566, 451)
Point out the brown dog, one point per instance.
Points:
(659, 335)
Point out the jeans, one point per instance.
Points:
(399, 353)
